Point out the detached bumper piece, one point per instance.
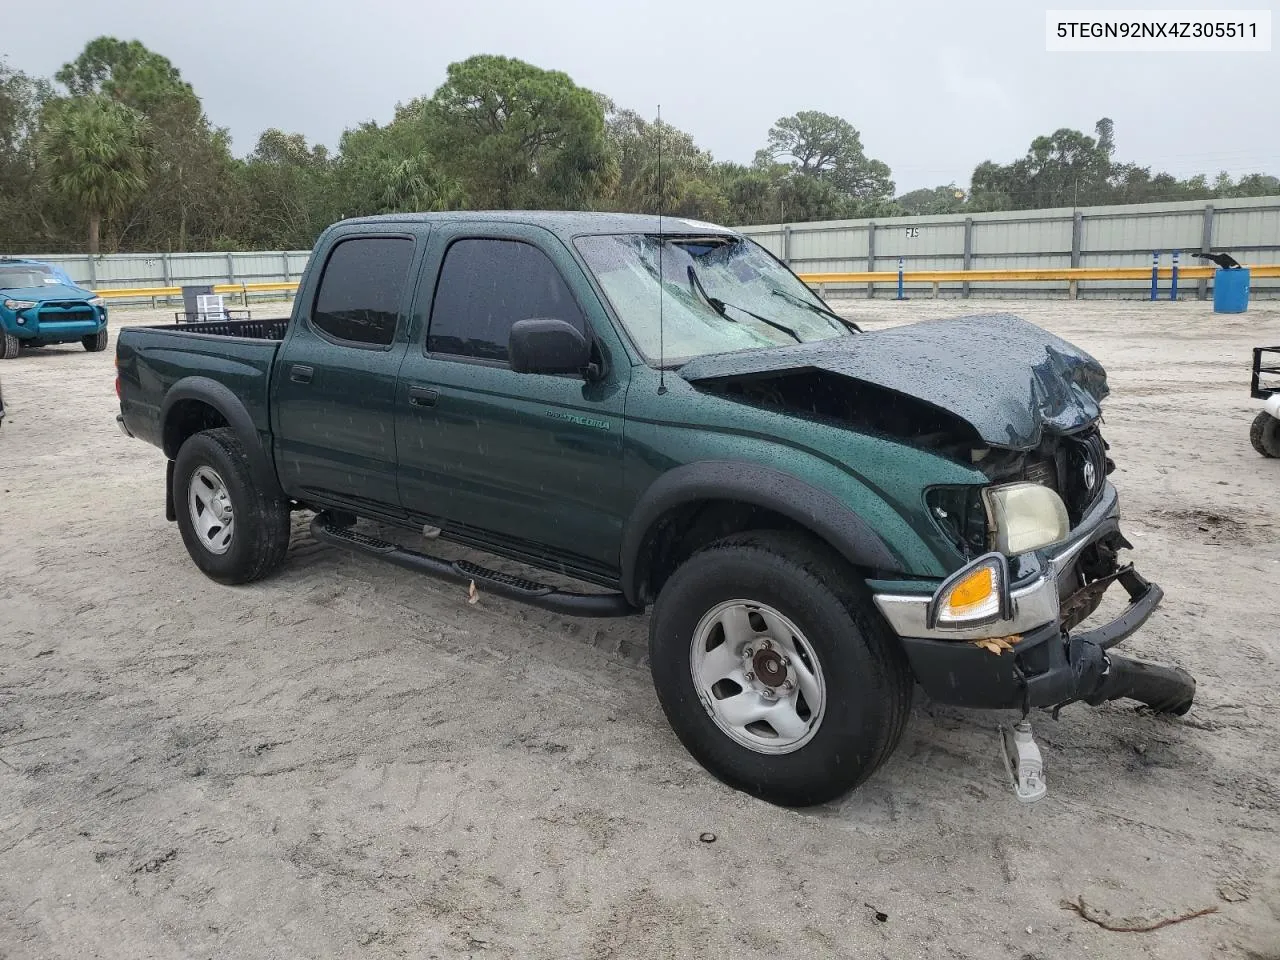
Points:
(1052, 668)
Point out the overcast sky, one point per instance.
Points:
(934, 87)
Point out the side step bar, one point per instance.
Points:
(464, 571)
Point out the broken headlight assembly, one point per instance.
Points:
(1008, 518)
(1024, 517)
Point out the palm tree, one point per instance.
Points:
(415, 184)
(94, 154)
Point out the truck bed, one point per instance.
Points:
(237, 355)
(270, 329)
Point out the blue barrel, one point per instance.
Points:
(1231, 290)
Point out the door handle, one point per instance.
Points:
(300, 373)
(423, 396)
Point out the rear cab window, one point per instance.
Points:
(487, 285)
(360, 297)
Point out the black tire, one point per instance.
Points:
(9, 346)
(868, 680)
(95, 342)
(1264, 434)
(260, 535)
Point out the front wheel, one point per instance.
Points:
(95, 342)
(234, 531)
(9, 346)
(1264, 434)
(774, 669)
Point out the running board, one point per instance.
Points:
(464, 572)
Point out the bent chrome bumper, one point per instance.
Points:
(1051, 664)
(1033, 602)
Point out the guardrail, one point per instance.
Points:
(1070, 274)
(153, 293)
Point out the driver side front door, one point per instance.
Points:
(529, 462)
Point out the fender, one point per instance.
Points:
(809, 506)
(233, 410)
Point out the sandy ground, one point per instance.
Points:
(348, 760)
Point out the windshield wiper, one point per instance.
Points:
(719, 306)
(824, 311)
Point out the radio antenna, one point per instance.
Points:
(662, 242)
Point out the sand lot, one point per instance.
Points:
(348, 760)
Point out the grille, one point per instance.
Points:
(77, 313)
(1076, 461)
(1085, 473)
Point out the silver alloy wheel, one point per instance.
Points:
(757, 676)
(210, 504)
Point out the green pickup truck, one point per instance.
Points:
(659, 410)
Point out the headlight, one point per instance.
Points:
(20, 304)
(96, 301)
(1025, 516)
(975, 595)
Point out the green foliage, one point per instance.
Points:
(827, 148)
(932, 200)
(1068, 168)
(22, 100)
(94, 156)
(688, 186)
(125, 71)
(126, 157)
(517, 136)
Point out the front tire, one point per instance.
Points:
(234, 531)
(1264, 434)
(9, 346)
(95, 342)
(774, 669)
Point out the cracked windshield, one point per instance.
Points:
(717, 295)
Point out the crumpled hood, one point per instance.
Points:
(49, 291)
(1007, 378)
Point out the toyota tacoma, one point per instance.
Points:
(818, 518)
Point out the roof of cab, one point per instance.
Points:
(565, 223)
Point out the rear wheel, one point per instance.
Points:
(95, 342)
(775, 671)
(9, 347)
(234, 531)
(1264, 434)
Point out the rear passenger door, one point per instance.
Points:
(334, 392)
(528, 462)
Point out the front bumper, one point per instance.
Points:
(1049, 665)
(38, 326)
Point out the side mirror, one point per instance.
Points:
(542, 345)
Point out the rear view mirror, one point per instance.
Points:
(543, 345)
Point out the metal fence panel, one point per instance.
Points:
(1118, 236)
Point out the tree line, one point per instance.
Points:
(116, 153)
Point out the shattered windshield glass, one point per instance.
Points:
(735, 297)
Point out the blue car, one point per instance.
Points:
(39, 306)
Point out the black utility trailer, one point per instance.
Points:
(1264, 385)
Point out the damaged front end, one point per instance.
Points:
(1039, 540)
(1040, 659)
